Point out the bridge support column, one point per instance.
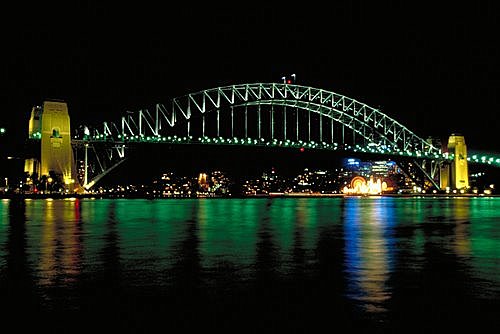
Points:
(272, 121)
(297, 124)
(85, 172)
(459, 175)
(331, 121)
(232, 122)
(246, 122)
(259, 121)
(284, 124)
(56, 158)
(320, 128)
(218, 123)
(309, 126)
(444, 175)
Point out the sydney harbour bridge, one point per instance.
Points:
(278, 115)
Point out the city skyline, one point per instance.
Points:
(344, 176)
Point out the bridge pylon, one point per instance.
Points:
(53, 159)
(455, 174)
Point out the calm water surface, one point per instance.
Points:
(251, 265)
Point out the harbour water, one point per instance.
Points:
(251, 265)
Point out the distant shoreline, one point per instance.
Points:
(272, 195)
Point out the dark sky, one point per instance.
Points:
(422, 64)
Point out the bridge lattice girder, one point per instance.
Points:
(370, 123)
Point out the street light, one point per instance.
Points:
(48, 182)
(294, 78)
(2, 131)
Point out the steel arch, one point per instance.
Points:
(184, 111)
(369, 122)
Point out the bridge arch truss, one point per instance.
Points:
(192, 111)
(263, 113)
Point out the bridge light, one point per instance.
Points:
(289, 81)
(302, 149)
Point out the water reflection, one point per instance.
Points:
(266, 261)
(58, 252)
(368, 251)
(461, 212)
(48, 242)
(299, 249)
(188, 265)
(110, 254)
(262, 261)
(18, 287)
(485, 248)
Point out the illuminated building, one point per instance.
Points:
(203, 182)
(220, 183)
(363, 168)
(172, 185)
(386, 170)
(314, 181)
(380, 168)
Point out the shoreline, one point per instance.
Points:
(271, 195)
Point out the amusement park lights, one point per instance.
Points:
(359, 186)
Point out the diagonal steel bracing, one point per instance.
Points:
(273, 112)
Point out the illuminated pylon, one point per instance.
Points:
(459, 171)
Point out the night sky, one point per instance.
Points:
(422, 64)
